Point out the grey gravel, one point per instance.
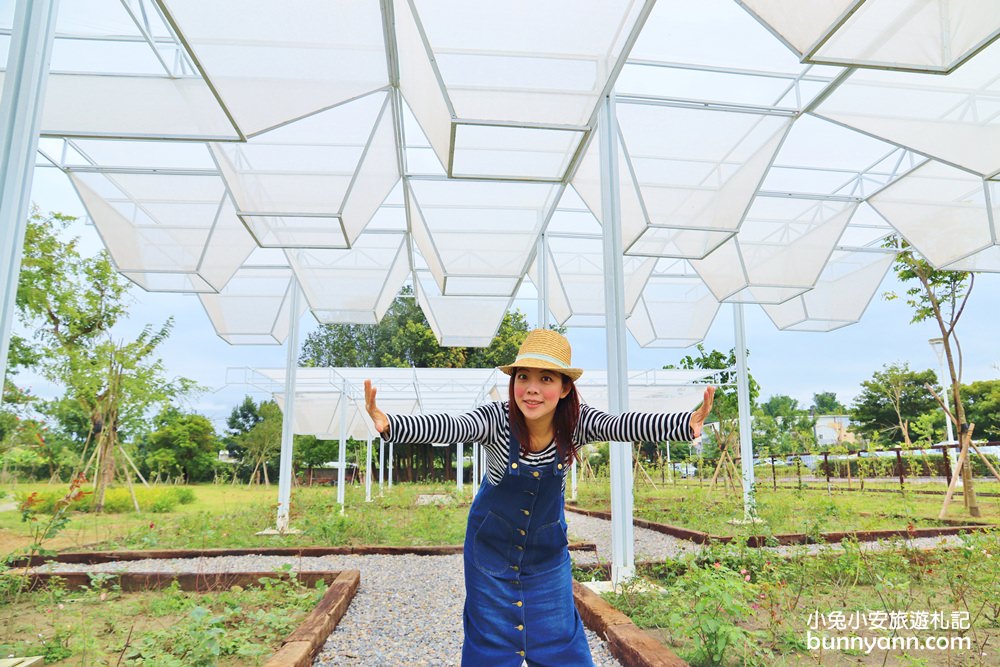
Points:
(407, 611)
(651, 545)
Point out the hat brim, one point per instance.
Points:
(571, 373)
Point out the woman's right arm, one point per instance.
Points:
(429, 429)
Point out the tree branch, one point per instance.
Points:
(941, 403)
(965, 300)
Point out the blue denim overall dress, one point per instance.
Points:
(518, 584)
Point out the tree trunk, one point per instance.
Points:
(105, 474)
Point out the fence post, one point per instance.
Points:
(826, 464)
(947, 463)
(899, 462)
(798, 470)
(774, 475)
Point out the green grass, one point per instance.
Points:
(699, 507)
(222, 516)
(101, 625)
(738, 606)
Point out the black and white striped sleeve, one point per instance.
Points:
(442, 428)
(597, 426)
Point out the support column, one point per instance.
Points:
(572, 480)
(368, 470)
(622, 538)
(342, 450)
(475, 469)
(459, 466)
(743, 401)
(381, 465)
(288, 416)
(392, 462)
(543, 283)
(21, 106)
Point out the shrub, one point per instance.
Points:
(118, 500)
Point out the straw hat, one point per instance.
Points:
(544, 348)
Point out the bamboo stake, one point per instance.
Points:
(985, 460)
(131, 489)
(963, 454)
(132, 463)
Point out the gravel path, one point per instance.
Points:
(407, 611)
(651, 545)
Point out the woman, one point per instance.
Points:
(518, 584)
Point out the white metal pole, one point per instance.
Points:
(21, 104)
(670, 468)
(392, 462)
(743, 403)
(543, 284)
(368, 471)
(288, 417)
(937, 344)
(459, 466)
(381, 465)
(572, 480)
(475, 468)
(622, 539)
(342, 450)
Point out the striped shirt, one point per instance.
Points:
(490, 427)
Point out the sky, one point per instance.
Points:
(797, 364)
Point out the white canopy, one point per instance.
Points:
(433, 143)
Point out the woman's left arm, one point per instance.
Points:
(644, 426)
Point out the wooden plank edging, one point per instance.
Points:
(758, 541)
(94, 557)
(305, 642)
(629, 644)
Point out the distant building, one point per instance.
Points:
(833, 430)
(224, 457)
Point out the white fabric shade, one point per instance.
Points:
(435, 143)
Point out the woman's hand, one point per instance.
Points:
(381, 421)
(698, 416)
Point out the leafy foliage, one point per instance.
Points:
(404, 338)
(826, 403)
(183, 444)
(72, 303)
(891, 400)
(726, 405)
(983, 408)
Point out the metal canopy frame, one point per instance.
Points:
(738, 183)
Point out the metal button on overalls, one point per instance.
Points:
(517, 535)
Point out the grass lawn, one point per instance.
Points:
(700, 507)
(227, 516)
(101, 625)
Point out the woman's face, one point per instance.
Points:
(537, 392)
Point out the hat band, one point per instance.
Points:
(541, 357)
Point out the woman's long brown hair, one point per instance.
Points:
(564, 421)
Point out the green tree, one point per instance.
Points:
(941, 296)
(72, 304)
(191, 442)
(983, 408)
(242, 418)
(404, 338)
(262, 443)
(826, 403)
(891, 400)
(726, 405)
(780, 405)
